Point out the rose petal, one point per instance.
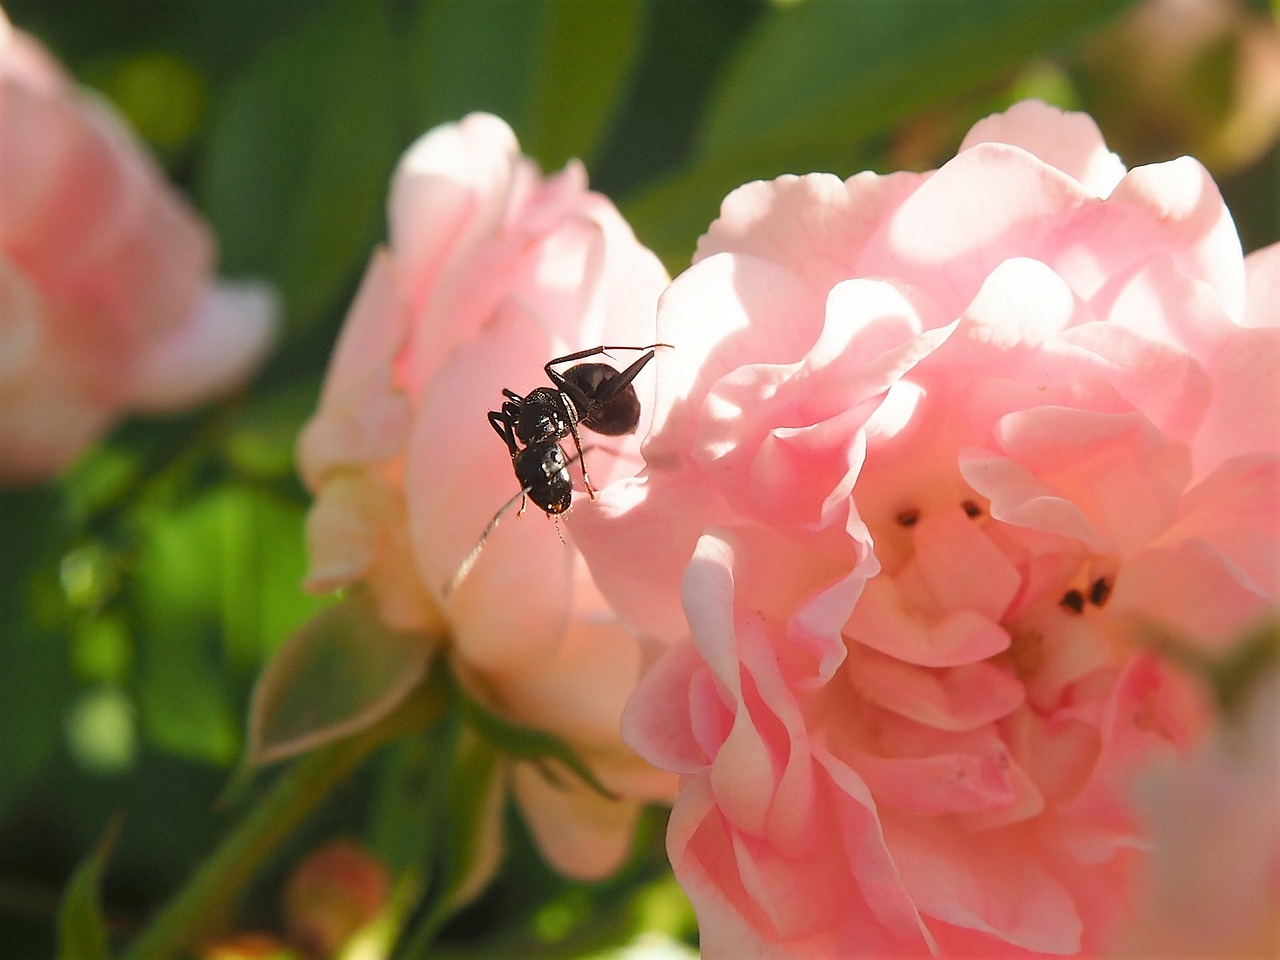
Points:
(1071, 142)
(227, 335)
(1262, 277)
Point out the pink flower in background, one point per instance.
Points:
(935, 457)
(106, 304)
(1212, 883)
(490, 272)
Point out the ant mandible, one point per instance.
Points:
(593, 395)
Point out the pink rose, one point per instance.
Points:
(934, 457)
(106, 304)
(490, 272)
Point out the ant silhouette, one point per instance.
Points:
(593, 395)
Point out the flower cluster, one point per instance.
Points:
(933, 461)
(106, 302)
(936, 458)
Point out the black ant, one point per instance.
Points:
(593, 395)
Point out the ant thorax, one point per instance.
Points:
(545, 415)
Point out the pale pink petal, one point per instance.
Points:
(455, 179)
(815, 225)
(658, 721)
(732, 310)
(44, 427)
(364, 417)
(939, 784)
(1262, 275)
(583, 834)
(701, 855)
(885, 621)
(638, 544)
(580, 693)
(1071, 142)
(874, 869)
(226, 337)
(1211, 883)
(1237, 511)
(959, 698)
(964, 220)
(1150, 711)
(1127, 477)
(984, 883)
(957, 567)
(1178, 210)
(25, 61)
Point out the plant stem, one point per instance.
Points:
(209, 895)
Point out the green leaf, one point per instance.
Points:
(408, 794)
(524, 743)
(82, 929)
(463, 56)
(473, 812)
(300, 154)
(468, 790)
(35, 684)
(824, 72)
(338, 675)
(555, 70)
(587, 53)
(812, 82)
(217, 587)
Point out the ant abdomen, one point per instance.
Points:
(543, 469)
(618, 413)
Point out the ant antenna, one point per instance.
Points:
(465, 568)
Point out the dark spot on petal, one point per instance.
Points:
(908, 518)
(1100, 591)
(1072, 600)
(971, 508)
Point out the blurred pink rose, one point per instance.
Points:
(490, 272)
(934, 455)
(106, 305)
(1211, 887)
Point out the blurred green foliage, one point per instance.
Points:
(140, 595)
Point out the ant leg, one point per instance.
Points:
(593, 352)
(577, 444)
(504, 426)
(617, 384)
(614, 386)
(503, 423)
